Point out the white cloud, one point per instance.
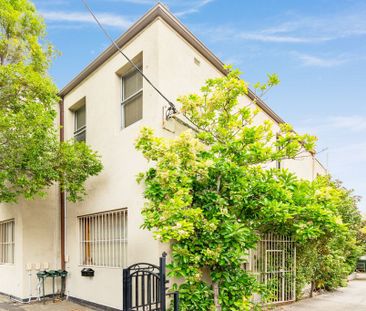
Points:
(280, 28)
(264, 37)
(106, 19)
(349, 155)
(311, 60)
(194, 8)
(143, 2)
(347, 161)
(351, 123)
(332, 26)
(300, 29)
(354, 123)
(223, 33)
(53, 2)
(180, 8)
(343, 137)
(114, 20)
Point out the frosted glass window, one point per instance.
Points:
(132, 83)
(80, 124)
(132, 105)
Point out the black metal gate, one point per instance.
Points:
(144, 287)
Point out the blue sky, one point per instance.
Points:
(317, 47)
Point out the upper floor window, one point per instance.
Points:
(7, 242)
(131, 98)
(80, 124)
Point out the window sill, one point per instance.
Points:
(131, 125)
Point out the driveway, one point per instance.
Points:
(351, 298)
(7, 305)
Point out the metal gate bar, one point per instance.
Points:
(273, 262)
(144, 287)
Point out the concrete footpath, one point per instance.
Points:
(351, 298)
(8, 305)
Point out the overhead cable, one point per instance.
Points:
(172, 107)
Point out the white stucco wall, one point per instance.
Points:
(36, 243)
(11, 275)
(115, 187)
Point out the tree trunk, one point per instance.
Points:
(218, 184)
(215, 287)
(312, 288)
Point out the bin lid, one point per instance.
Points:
(51, 273)
(42, 274)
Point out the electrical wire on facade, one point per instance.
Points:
(172, 108)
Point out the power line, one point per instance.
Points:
(172, 108)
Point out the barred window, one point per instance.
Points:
(103, 239)
(7, 242)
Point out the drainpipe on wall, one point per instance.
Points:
(62, 193)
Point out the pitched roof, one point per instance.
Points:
(159, 10)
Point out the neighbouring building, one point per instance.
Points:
(106, 105)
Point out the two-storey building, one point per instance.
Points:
(106, 105)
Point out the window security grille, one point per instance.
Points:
(103, 239)
(7, 242)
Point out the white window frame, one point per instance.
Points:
(125, 101)
(8, 244)
(106, 246)
(81, 130)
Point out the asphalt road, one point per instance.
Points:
(351, 298)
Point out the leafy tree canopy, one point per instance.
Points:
(31, 156)
(211, 192)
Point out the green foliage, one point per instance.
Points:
(76, 163)
(209, 194)
(327, 261)
(361, 232)
(31, 157)
(195, 296)
(21, 31)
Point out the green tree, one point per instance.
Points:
(207, 187)
(211, 193)
(31, 156)
(325, 262)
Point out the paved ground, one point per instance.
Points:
(7, 305)
(351, 298)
